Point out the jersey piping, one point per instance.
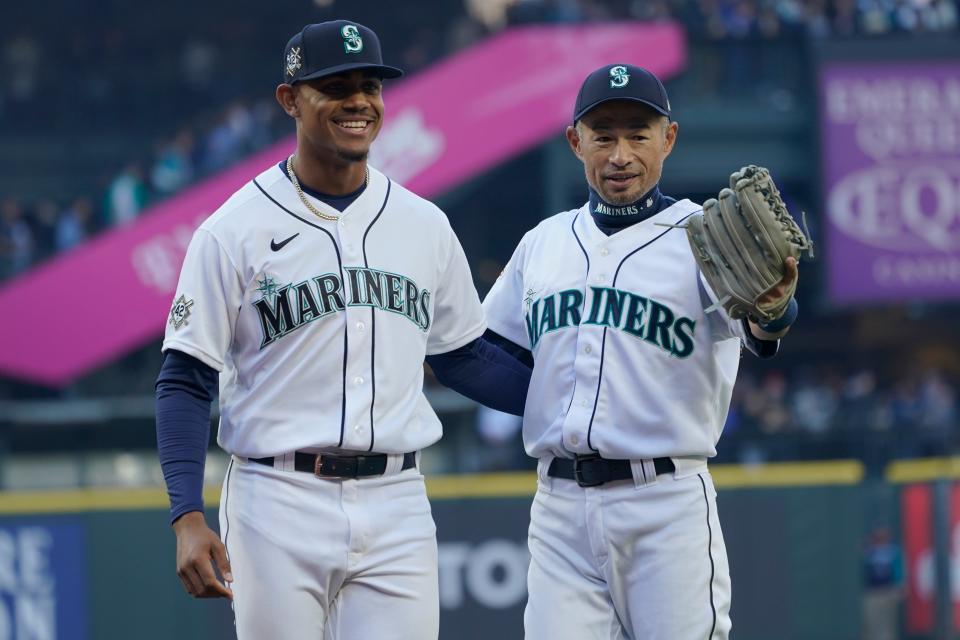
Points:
(586, 257)
(603, 340)
(373, 320)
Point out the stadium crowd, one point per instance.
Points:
(733, 19)
(32, 231)
(804, 413)
(826, 411)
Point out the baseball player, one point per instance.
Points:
(635, 362)
(313, 295)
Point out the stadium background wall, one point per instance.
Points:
(98, 564)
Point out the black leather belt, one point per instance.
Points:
(332, 466)
(593, 471)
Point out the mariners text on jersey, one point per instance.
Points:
(643, 318)
(285, 309)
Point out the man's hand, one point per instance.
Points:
(199, 552)
(782, 288)
(785, 286)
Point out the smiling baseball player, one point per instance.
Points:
(635, 360)
(313, 295)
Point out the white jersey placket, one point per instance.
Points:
(601, 264)
(359, 325)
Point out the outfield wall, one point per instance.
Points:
(100, 564)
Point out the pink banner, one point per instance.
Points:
(443, 126)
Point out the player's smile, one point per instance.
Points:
(355, 127)
(621, 179)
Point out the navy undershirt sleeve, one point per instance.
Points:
(485, 372)
(520, 353)
(185, 389)
(763, 349)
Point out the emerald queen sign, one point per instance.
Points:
(890, 141)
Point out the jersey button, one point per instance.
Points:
(361, 326)
(358, 380)
(574, 440)
(604, 252)
(357, 428)
(588, 349)
(584, 403)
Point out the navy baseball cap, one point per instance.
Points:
(621, 82)
(327, 48)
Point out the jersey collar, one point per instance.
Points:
(623, 216)
(636, 234)
(361, 210)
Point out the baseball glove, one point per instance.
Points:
(741, 241)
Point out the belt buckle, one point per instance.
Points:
(578, 471)
(317, 466)
(335, 467)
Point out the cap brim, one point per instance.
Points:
(591, 106)
(385, 71)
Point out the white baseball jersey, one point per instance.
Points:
(627, 361)
(319, 328)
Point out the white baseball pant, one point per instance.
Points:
(627, 560)
(330, 559)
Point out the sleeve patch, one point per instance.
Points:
(180, 312)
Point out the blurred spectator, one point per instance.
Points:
(882, 576)
(229, 137)
(173, 166)
(126, 195)
(768, 405)
(860, 407)
(44, 221)
(74, 224)
(938, 401)
(814, 404)
(16, 239)
(935, 414)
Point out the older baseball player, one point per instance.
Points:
(635, 364)
(313, 295)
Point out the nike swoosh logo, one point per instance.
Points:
(276, 246)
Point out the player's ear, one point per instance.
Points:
(670, 136)
(573, 137)
(287, 97)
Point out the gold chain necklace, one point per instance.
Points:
(303, 198)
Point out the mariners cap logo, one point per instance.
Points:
(294, 62)
(619, 77)
(352, 42)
